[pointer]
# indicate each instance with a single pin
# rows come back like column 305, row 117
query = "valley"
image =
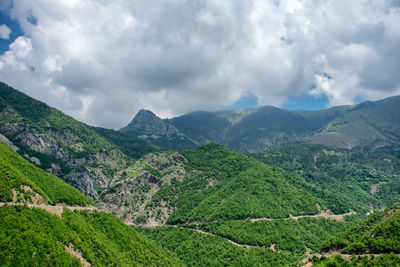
column 241, row 188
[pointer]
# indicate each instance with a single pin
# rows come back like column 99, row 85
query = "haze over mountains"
column 367, row 126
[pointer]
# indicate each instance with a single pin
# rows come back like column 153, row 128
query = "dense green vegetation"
column 380, row 233
column 33, row 237
column 374, row 242
column 359, row 178
column 287, row 235
column 129, row 144
column 197, row 249
column 16, row 171
column 225, row 185
column 383, row 260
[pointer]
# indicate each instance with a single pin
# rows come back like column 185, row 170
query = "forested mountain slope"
column 59, row 144
column 211, row 183
column 360, row 178
column 22, row 182
column 374, row 242
column 31, row 236
column 245, row 243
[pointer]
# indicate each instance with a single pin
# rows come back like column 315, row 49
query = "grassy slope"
column 44, row 118
column 34, row 237
column 16, row 171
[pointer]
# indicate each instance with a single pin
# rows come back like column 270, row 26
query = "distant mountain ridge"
column 367, row 126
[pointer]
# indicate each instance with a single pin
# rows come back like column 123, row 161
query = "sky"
column 101, row 61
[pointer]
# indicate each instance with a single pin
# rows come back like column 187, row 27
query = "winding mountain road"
column 57, row 209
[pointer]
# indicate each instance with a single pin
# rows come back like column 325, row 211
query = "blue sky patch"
column 245, row 102
column 15, row 31
column 306, row 102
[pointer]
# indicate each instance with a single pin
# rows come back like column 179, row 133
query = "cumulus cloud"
column 4, row 32
column 102, row 61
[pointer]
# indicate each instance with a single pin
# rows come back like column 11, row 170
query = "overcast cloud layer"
column 101, row 61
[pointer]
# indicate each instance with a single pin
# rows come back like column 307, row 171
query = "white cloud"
column 16, row 57
column 4, row 32
column 101, row 61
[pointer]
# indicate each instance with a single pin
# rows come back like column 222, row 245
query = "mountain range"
column 203, row 203
column 366, row 126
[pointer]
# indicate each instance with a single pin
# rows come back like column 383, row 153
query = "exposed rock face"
column 41, row 143
column 33, row 159
column 8, row 142
column 57, row 143
column 84, row 182
column 131, row 193
column 55, row 169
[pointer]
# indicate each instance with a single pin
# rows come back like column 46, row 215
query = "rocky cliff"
column 59, row 144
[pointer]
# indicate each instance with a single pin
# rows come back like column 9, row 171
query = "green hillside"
column 33, row 237
column 379, row 236
column 62, row 146
column 242, row 187
column 15, row 172
column 246, row 243
column 270, row 126
column 197, row 249
column 285, row 235
column 363, row 180
column 380, row 233
column 211, row 183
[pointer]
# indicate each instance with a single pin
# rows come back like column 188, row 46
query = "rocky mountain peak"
column 147, row 123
